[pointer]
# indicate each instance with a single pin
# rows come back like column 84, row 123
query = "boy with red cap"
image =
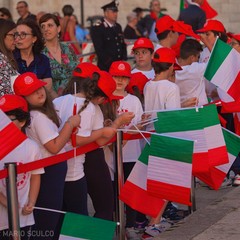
column 143, row 51
column 16, row 108
column 159, row 94
column 235, row 41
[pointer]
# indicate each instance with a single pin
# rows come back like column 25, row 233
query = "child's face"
column 37, row 98
column 143, row 58
column 121, row 82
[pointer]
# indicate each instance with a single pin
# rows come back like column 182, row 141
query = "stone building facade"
column 228, row 10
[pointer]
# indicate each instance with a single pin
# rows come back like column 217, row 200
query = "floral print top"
column 6, row 71
column 62, row 72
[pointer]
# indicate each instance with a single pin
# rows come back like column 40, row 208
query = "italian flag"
column 170, row 169
column 134, row 191
column 201, row 125
column 10, row 135
column 77, row 226
column 217, row 174
column 223, row 69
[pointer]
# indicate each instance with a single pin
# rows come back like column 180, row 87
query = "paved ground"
column 217, row 217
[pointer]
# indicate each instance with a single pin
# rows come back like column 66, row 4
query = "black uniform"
column 109, row 44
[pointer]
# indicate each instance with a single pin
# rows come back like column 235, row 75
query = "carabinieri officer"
column 108, row 39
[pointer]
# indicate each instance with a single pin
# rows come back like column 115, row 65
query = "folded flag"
column 217, row 174
column 134, row 191
column 77, row 226
column 170, row 169
column 223, row 69
column 10, row 135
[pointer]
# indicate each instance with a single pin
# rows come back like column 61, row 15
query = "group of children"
column 93, row 106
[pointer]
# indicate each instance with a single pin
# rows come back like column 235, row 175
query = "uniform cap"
column 143, row 43
column 120, row 68
column 107, row 84
column 27, row 83
column 212, row 25
column 85, row 70
column 110, row 6
column 137, row 79
column 166, row 55
column 163, row 24
column 10, row 102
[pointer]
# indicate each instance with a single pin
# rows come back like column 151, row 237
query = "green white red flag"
column 134, row 191
column 201, row 125
column 170, row 169
column 77, row 227
column 223, row 70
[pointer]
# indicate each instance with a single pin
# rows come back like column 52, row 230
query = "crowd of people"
column 61, row 104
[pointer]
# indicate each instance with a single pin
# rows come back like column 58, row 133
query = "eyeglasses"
column 21, row 35
column 19, row 7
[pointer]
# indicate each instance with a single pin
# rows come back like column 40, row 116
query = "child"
column 160, row 94
column 143, row 51
column 190, row 80
column 99, row 88
column 44, row 130
column 28, row 184
column 121, row 72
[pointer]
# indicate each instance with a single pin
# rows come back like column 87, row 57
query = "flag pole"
column 193, row 196
column 120, row 181
column 12, row 201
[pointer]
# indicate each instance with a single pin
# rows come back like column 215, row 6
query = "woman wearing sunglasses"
column 7, row 62
column 29, row 44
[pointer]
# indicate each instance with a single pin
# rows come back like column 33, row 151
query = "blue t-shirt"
column 40, row 65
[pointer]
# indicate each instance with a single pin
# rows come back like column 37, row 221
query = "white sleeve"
column 173, row 98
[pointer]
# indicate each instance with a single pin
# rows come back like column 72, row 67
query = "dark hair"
column 48, row 16
column 24, row 2
column 6, row 26
column 67, row 10
column 162, row 35
column 222, row 35
column 137, row 93
column 20, row 116
column 39, row 44
column 47, row 109
column 190, row 47
column 6, row 12
column 160, row 67
column 109, row 109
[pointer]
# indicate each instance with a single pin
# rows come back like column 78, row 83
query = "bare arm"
column 71, row 30
column 56, row 144
column 3, row 200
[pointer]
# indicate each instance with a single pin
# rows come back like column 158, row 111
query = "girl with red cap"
column 91, row 89
column 44, row 130
column 28, row 184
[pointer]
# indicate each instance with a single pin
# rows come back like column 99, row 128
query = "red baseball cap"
column 143, row 43
column 10, row 102
column 27, row 83
column 108, row 85
column 164, row 23
column 212, row 25
column 137, row 79
column 120, row 68
column 235, row 36
column 181, row 27
column 166, row 55
column 85, row 70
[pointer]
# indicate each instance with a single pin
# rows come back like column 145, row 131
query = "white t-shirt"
column 149, row 74
column 27, row 151
column 64, row 107
column 191, row 83
column 160, row 95
column 132, row 149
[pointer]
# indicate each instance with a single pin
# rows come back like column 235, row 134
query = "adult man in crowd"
column 193, row 15
column 23, row 11
column 108, row 38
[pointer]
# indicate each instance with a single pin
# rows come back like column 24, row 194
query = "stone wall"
column 228, row 10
